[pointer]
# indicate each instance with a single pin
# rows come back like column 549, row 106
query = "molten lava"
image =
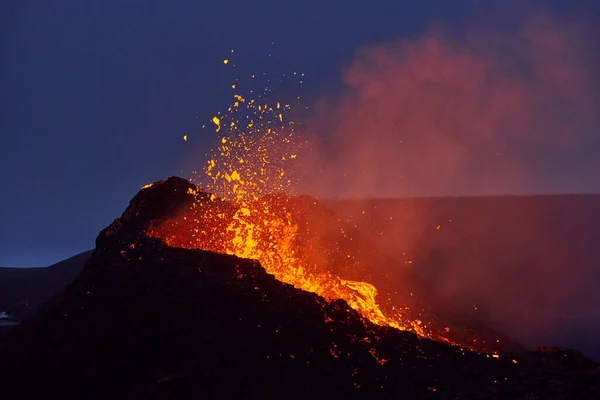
column 272, row 231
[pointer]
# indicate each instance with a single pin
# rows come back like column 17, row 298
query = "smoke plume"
column 481, row 109
column 475, row 110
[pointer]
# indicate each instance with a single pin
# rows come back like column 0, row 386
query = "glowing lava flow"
column 268, row 230
column 251, row 164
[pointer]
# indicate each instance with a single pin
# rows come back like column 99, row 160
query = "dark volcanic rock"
column 159, row 201
column 145, row 320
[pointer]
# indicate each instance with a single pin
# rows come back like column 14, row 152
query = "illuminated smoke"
column 475, row 112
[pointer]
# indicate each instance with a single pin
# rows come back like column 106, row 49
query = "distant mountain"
column 145, row 320
column 23, row 290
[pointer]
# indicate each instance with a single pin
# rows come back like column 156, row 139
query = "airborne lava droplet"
column 217, row 122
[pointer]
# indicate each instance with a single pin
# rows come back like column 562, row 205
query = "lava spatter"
column 254, row 217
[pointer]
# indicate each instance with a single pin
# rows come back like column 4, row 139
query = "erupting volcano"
column 149, row 320
column 239, row 288
column 296, row 239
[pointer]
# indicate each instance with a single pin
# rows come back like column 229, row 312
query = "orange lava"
column 268, row 230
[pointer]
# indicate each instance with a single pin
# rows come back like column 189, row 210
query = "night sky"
column 96, row 97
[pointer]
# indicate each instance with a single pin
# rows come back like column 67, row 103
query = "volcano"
column 190, row 295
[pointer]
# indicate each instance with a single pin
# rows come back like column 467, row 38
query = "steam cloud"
column 475, row 112
column 478, row 111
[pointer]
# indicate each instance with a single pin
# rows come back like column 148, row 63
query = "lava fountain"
column 247, row 210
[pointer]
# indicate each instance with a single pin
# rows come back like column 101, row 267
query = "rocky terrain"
column 147, row 320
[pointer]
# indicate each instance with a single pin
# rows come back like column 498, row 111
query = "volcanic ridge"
column 165, row 308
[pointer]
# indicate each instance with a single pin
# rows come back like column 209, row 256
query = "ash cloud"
column 482, row 109
column 475, row 110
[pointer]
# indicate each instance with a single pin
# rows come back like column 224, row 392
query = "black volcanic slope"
column 145, row 320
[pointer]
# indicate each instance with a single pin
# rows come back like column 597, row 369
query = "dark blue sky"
column 97, row 95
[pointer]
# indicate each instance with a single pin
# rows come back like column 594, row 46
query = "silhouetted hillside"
column 146, row 320
column 529, row 265
column 23, row 290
